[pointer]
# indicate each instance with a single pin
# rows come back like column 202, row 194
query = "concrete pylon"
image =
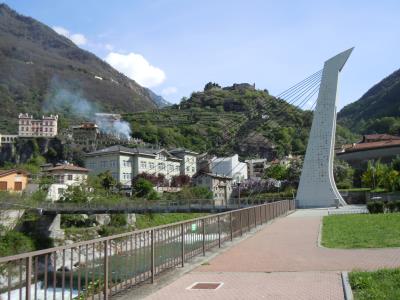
column 317, row 186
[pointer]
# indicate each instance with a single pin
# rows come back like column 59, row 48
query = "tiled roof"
column 8, row 172
column 380, row 137
column 372, row 145
column 67, row 168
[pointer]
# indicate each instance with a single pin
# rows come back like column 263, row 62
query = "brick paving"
column 281, row 261
column 291, row 244
column 254, row 285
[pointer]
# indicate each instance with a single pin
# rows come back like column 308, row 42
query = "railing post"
column 261, row 214
column 241, row 224
column 105, row 290
column 204, row 237
column 182, row 245
column 152, row 257
column 28, row 278
column 248, row 219
column 255, row 217
column 231, row 225
column 219, row 232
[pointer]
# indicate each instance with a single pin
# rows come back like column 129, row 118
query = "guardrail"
column 102, row 267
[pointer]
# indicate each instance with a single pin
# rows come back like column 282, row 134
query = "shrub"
column 375, row 207
column 391, row 206
column 142, row 187
column 397, row 203
column 118, row 220
column 14, row 242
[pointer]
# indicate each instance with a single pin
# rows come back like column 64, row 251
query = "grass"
column 361, row 231
column 152, row 220
column 381, row 284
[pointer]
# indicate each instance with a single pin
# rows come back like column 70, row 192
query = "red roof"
column 11, row 171
column 67, row 168
column 372, row 145
column 378, row 137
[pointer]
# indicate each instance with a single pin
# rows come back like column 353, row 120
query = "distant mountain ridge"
column 381, row 103
column 32, row 56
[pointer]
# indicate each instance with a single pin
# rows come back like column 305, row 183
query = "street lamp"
column 238, row 185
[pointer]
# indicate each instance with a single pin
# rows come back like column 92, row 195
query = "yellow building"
column 13, row 180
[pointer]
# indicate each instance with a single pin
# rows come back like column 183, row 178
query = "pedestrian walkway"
column 281, row 261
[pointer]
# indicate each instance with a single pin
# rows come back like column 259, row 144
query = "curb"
column 348, row 293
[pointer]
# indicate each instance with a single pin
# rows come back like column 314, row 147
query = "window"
column 193, row 169
column 187, row 169
column 177, row 168
column 170, row 168
column 161, row 166
column 70, row 177
column 151, row 166
column 143, row 165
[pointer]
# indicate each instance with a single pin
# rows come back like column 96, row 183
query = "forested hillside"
column 237, row 119
column 377, row 111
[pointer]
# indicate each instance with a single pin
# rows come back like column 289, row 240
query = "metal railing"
column 100, row 268
column 136, row 206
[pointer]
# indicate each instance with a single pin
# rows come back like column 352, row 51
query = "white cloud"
column 169, row 90
column 77, row 38
column 109, row 47
column 136, row 67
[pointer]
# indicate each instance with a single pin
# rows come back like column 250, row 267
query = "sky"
column 175, row 47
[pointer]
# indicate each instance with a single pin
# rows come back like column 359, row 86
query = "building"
column 7, row 138
column 256, row 167
column 125, row 163
column 64, row 176
column 85, row 133
column 219, row 185
column 384, row 147
column 230, row 167
column 189, row 161
column 30, row 127
column 13, row 180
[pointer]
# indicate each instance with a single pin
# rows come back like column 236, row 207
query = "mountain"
column 158, row 100
column 377, row 111
column 36, row 63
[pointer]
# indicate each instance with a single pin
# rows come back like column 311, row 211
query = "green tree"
column 277, row 171
column 142, row 187
column 343, row 174
column 106, row 180
column 76, row 194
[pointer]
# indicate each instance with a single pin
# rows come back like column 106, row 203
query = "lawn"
column 361, row 231
column 382, row 284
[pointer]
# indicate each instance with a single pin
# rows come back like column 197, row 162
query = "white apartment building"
column 64, row 175
column 189, row 161
column 231, row 167
column 125, row 163
column 30, row 127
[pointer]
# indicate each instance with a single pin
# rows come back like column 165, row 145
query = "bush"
column 391, row 206
column 142, row 187
column 118, row 220
column 397, row 205
column 14, row 242
column 375, row 207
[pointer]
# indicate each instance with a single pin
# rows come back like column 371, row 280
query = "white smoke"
column 73, row 104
